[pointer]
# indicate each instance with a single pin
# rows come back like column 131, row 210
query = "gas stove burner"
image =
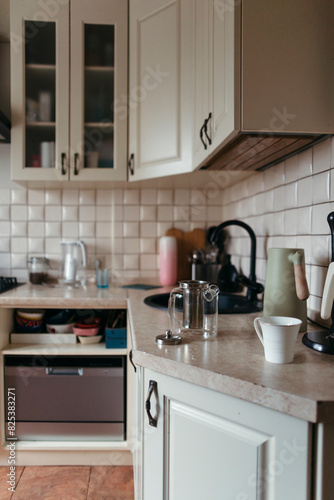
column 8, row 284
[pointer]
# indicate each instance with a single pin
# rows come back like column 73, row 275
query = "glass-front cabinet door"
column 99, row 80
column 65, row 89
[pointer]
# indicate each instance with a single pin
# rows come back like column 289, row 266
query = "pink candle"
column 168, row 260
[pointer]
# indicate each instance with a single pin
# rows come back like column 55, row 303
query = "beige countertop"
column 232, row 362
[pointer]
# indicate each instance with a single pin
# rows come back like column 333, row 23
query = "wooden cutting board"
column 186, row 243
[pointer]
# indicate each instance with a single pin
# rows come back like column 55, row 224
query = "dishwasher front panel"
column 82, row 398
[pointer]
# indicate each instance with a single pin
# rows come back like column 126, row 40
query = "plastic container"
column 168, row 260
column 38, row 269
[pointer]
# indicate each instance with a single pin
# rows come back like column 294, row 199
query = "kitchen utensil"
column 74, row 260
column 168, row 260
column 278, row 335
column 286, row 288
column 193, row 308
column 323, row 340
column 186, row 242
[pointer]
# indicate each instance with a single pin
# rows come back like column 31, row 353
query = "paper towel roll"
column 45, row 154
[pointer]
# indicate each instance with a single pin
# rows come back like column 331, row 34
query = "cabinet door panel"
column 160, row 135
column 39, row 90
column 212, row 454
column 98, row 84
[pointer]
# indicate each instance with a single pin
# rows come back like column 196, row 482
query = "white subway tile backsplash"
column 278, row 199
column 103, row 246
column 305, row 163
column 5, row 245
column 131, row 197
column 87, row 213
column 36, row 197
column 52, row 229
column 117, row 245
column 164, row 197
column 53, row 213
column 87, row 197
column 130, row 229
column 70, row 197
column 4, row 213
column 86, row 230
column 146, row 262
column 131, row 213
column 17, row 229
column 117, row 196
column 291, row 222
column 104, row 213
column 290, row 195
column 291, row 170
column 19, row 260
column 130, row 245
column 36, row 229
column 5, row 197
column 162, row 228
column 53, row 197
column 181, row 196
column 117, row 228
column 304, row 217
column 105, row 197
column 148, row 213
column 147, row 245
column 5, row 264
column 322, row 156
column 319, row 219
column 198, row 213
column 320, row 252
column 148, row 197
column 36, row 245
column 70, row 230
column 148, row 229
column 180, row 213
column 19, row 197
column 197, row 197
column 19, row 212
column 36, row 212
column 165, row 213
column 103, row 229
column 321, row 186
column 52, row 246
column 130, row 262
column 317, row 280
column 304, row 192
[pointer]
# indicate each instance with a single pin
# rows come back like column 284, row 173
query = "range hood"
column 4, row 129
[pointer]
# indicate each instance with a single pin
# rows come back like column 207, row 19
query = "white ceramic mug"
column 278, row 335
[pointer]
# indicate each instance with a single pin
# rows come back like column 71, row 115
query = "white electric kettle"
column 73, row 261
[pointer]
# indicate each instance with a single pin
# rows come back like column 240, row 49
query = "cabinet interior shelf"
column 41, row 124
column 100, row 68
column 99, row 124
column 41, row 67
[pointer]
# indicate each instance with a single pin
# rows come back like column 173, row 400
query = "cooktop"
column 8, row 283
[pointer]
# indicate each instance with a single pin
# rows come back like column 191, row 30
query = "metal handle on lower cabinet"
column 151, row 388
column 76, row 158
column 206, row 128
column 131, row 164
column 63, row 371
column 201, row 136
column 63, row 169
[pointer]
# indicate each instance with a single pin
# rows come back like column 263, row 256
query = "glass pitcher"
column 193, row 308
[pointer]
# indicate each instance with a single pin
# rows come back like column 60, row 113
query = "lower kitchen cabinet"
column 207, row 445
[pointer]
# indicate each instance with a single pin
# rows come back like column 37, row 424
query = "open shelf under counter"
column 62, row 349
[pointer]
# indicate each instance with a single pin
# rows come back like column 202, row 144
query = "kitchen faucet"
column 253, row 287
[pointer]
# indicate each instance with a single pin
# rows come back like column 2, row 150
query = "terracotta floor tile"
column 53, row 483
column 111, row 483
column 4, row 470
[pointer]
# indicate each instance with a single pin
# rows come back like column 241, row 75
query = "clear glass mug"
column 193, row 308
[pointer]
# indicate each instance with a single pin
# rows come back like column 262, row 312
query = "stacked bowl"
column 29, row 320
column 60, row 322
column 87, row 330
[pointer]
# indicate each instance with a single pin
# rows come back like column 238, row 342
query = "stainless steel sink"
column 227, row 303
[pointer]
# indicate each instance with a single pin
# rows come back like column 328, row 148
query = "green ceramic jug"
column 286, row 287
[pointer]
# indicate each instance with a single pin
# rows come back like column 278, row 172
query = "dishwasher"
column 74, row 398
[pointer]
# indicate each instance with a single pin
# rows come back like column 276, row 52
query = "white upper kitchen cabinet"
column 160, row 88
column 216, row 109
column 68, row 69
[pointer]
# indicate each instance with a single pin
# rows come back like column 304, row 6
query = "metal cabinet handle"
column 63, row 371
column 76, row 158
column 206, row 128
column 201, row 136
column 131, row 164
column 63, row 161
column 151, row 388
